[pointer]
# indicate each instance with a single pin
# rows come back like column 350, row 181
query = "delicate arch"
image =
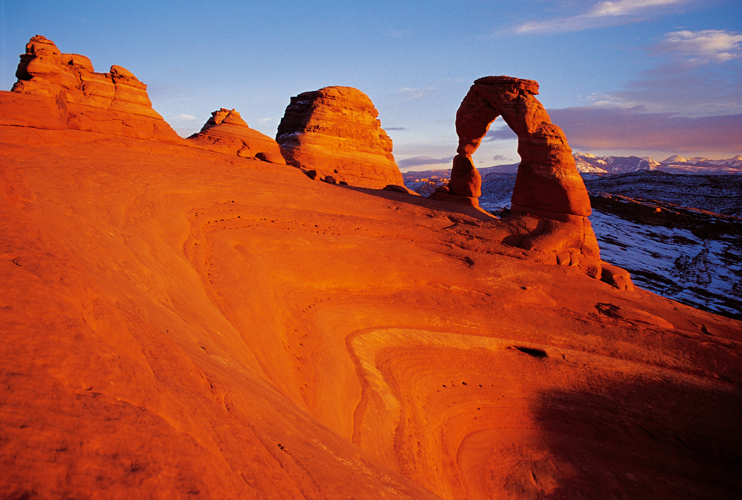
column 547, row 183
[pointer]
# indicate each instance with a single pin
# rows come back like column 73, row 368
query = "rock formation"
column 175, row 327
column 227, row 132
column 56, row 90
column 335, row 131
column 547, row 186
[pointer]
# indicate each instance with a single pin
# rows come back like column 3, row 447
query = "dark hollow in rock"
column 536, row 353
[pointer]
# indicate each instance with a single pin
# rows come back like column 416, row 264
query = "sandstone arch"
column 550, row 204
column 547, row 184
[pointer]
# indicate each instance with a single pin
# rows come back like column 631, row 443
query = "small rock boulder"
column 228, row 133
column 400, row 189
column 616, row 276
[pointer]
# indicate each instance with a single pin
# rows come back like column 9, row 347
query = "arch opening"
column 497, row 161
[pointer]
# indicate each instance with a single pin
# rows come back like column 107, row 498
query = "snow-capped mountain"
column 731, row 162
column 676, row 164
column 675, row 159
column 591, row 164
column 588, row 163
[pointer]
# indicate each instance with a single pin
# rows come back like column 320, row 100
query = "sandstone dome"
column 335, row 132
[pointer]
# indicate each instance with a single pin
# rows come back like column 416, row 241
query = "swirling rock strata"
column 335, row 131
column 56, row 90
column 227, row 132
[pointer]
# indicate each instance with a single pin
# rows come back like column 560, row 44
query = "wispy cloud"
column 425, row 161
column 600, row 15
column 500, row 133
column 698, row 47
column 700, row 75
column 609, row 101
column 185, row 117
column 501, row 158
column 266, row 120
column 628, row 7
column 395, row 128
column 408, row 93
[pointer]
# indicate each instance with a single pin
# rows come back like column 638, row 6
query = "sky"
column 626, row 77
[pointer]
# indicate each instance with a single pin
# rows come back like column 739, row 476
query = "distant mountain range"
column 676, row 164
column 587, row 163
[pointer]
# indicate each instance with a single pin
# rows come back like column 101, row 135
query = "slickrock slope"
column 57, row 91
column 548, row 185
column 335, row 132
column 227, row 132
column 178, row 323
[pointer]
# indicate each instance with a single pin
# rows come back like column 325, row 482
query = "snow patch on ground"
column 674, row 263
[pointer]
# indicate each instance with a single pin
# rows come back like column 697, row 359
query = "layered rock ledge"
column 335, row 132
column 56, row 91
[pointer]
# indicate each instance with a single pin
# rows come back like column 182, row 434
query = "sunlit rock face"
column 182, row 327
column 227, row 132
column 548, row 182
column 57, row 90
column 548, row 185
column 335, row 132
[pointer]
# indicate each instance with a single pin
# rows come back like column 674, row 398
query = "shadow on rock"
column 637, row 438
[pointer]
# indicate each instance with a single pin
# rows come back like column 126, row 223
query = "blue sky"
column 644, row 77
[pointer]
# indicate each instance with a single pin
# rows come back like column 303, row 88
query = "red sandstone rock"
column 113, row 103
column 170, row 331
column 547, row 176
column 400, row 189
column 29, row 110
column 467, row 181
column 41, row 71
column 176, row 327
column 335, row 131
column 547, row 185
column 227, row 132
column 616, row 276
